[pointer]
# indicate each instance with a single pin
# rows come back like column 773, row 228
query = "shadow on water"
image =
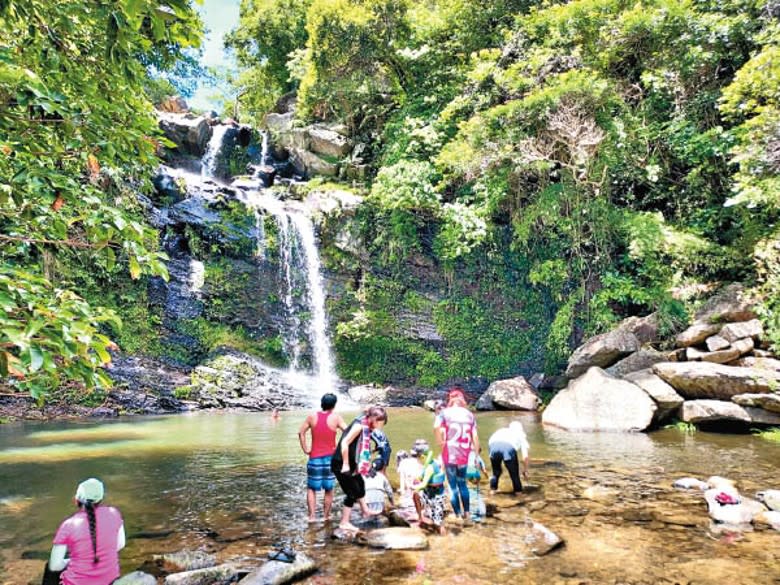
column 234, row 484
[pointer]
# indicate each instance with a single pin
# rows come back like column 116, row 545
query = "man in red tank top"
column 323, row 426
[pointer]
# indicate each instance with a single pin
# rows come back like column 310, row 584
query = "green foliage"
column 50, row 334
column 683, row 427
column 772, row 434
column 76, row 140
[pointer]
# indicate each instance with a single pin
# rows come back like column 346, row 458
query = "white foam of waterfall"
column 264, row 149
column 208, row 163
column 300, row 274
column 318, row 323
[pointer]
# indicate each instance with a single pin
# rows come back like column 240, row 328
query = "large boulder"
column 704, row 411
column 235, row 380
column 279, row 122
column 174, row 104
column 716, row 381
column 663, row 394
column 730, row 304
column 761, row 363
column 602, row 351
column 309, row 164
column 697, row 333
column 747, row 329
column 190, row 133
column 328, row 143
column 641, row 360
column 278, row 572
column 512, row 394
column 599, row 402
column 770, row 402
column 369, row 394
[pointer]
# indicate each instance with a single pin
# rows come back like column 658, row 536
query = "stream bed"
column 233, row 484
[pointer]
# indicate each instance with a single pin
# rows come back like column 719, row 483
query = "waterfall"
column 302, row 295
column 322, row 357
column 264, row 149
column 208, row 164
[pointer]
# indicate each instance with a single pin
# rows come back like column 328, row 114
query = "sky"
column 220, row 16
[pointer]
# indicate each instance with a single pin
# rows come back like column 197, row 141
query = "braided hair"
column 89, row 508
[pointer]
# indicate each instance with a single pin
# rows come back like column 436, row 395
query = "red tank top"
column 323, row 438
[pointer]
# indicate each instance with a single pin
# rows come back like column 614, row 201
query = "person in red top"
column 322, row 426
column 92, row 539
column 456, row 430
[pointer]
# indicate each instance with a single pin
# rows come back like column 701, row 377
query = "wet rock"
column 397, row 519
column 145, row 385
column 233, row 379
column 190, row 133
column 668, row 517
column 771, row 498
column 186, row 560
column 699, row 411
column 181, row 295
column 599, row 402
column 598, row 493
column 394, row 539
column 736, row 515
column 278, row 573
column 168, row 189
column 369, row 394
column 690, row 483
column 207, row 576
column 697, row 333
column 512, row 394
column 706, row 380
column 663, row 394
column 770, row 402
column 540, row 539
column 640, row 360
column 136, row 578
column 736, row 331
column 602, row 351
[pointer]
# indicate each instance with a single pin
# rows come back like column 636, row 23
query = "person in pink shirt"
column 91, row 538
column 456, row 430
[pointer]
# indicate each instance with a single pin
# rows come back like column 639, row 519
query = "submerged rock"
column 540, row 539
column 394, row 538
column 136, row 578
column 690, row 483
column 207, row 576
column 186, row 560
column 278, row 572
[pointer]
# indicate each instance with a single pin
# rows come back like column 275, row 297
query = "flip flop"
column 282, row 554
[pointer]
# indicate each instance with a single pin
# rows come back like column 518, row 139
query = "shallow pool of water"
column 234, row 484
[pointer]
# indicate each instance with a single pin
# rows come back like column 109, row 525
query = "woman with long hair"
column 91, row 538
column 352, row 461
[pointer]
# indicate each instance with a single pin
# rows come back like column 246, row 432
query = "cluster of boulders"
column 198, row 568
column 720, row 371
column 731, row 510
column 319, row 149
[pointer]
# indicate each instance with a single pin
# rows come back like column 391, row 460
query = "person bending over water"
column 352, row 461
column 322, row 426
column 456, row 430
column 91, row 538
column 503, row 446
column 429, row 495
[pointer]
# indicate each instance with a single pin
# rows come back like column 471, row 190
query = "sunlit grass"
column 683, row 427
